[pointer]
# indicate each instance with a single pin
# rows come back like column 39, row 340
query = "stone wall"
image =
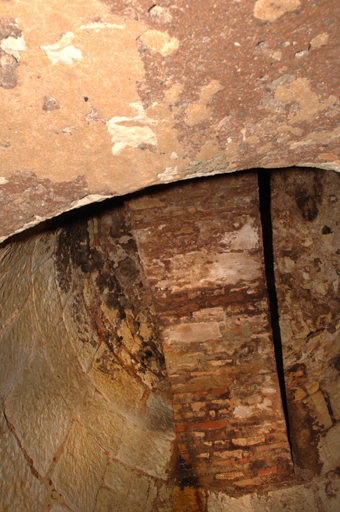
column 87, row 422
column 88, row 323
column 306, row 231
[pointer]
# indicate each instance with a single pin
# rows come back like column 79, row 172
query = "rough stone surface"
column 98, row 416
column 149, row 452
column 109, row 97
column 20, row 490
column 306, row 249
column 17, row 344
column 80, row 470
column 128, row 490
column 38, row 413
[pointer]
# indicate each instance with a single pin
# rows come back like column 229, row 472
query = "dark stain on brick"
column 309, row 199
column 99, row 248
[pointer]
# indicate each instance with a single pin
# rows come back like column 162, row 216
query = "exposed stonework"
column 124, row 94
column 307, row 247
column 83, row 381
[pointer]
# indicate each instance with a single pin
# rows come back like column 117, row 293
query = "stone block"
column 17, row 343
column 128, row 490
column 83, row 338
column 69, row 376
column 19, row 489
column 15, row 287
column 79, row 472
column 10, row 254
column 46, row 299
column 114, row 382
column 43, row 249
column 38, row 413
column 98, row 417
column 159, row 416
column 149, row 453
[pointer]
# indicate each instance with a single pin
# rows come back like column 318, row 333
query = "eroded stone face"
column 306, row 249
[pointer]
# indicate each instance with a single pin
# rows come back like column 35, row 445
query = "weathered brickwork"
column 201, row 247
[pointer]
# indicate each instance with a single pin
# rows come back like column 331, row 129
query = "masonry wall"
column 201, row 246
column 306, row 232
column 87, row 421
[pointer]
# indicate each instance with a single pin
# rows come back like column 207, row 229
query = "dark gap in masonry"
column 267, row 233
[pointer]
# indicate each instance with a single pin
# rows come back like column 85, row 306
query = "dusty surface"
column 119, row 95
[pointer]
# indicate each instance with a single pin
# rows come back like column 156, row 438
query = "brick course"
column 200, row 245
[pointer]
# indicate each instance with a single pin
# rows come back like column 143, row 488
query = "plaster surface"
column 100, row 99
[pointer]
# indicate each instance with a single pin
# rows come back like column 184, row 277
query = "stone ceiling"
column 100, row 99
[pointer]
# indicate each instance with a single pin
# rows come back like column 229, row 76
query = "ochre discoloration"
column 270, row 10
column 199, row 112
column 160, row 42
column 308, row 101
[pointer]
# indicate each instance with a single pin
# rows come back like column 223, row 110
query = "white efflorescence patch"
column 100, row 25
column 63, row 51
column 168, row 175
column 133, row 136
column 13, row 46
column 270, row 10
column 160, row 42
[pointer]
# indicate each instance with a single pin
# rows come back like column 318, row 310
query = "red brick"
column 210, row 425
column 218, row 391
column 230, row 462
column 244, row 461
column 267, row 471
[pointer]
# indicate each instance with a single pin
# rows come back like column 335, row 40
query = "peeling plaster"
column 100, row 25
column 299, row 91
column 323, row 137
column 63, row 51
column 270, row 10
column 123, row 136
column 160, row 42
column 168, row 175
column 320, row 40
column 13, row 46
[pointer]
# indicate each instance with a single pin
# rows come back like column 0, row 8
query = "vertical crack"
column 267, row 234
